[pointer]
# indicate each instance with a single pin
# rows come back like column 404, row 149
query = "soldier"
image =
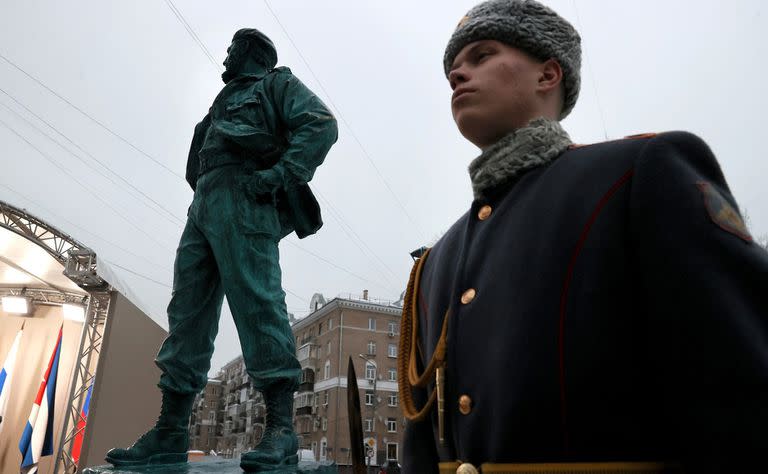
column 599, row 308
column 249, row 163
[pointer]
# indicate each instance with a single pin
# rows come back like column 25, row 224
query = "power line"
column 194, row 36
column 296, row 295
column 105, row 240
column 191, row 31
column 126, row 182
column 133, row 272
column 335, row 265
column 51, row 160
column 99, row 198
column 110, row 262
column 208, row 54
column 341, row 118
column 592, row 77
column 100, row 124
column 85, row 114
column 336, row 214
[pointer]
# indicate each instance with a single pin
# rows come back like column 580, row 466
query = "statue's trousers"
column 229, row 247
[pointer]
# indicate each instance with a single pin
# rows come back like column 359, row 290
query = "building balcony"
column 307, row 410
column 306, row 354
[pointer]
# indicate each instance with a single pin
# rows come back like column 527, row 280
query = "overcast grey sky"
column 397, row 177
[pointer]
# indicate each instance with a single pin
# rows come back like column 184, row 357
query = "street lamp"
column 375, row 401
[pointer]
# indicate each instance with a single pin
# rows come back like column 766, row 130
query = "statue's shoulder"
column 281, row 70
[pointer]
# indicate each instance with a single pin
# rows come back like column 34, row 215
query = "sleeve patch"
column 722, row 213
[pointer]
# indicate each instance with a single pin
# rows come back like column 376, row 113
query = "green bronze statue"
column 249, row 163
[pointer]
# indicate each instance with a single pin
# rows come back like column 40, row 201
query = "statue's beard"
column 234, row 66
column 228, row 75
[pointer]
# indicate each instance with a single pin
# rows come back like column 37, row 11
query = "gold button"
column 466, row 468
column 465, row 404
column 484, row 212
column 468, row 296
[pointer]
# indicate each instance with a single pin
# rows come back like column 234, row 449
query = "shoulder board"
column 640, row 135
column 282, row 69
column 574, row 146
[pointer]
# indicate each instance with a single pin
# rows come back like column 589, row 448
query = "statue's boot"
column 277, row 451
column 167, row 442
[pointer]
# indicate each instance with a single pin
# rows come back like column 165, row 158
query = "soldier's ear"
column 550, row 75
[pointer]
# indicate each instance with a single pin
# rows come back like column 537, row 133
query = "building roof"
column 342, row 303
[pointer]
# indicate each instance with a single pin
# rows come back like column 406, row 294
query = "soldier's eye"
column 483, row 54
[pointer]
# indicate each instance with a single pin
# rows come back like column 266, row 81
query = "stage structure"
column 67, row 277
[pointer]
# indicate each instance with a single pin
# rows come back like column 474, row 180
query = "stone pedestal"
column 210, row 465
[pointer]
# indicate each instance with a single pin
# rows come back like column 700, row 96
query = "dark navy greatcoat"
column 620, row 314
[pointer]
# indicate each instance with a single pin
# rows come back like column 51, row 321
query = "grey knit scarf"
column 536, row 144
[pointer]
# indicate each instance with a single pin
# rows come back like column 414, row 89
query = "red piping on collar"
column 564, row 295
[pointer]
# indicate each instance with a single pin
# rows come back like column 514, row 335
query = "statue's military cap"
column 261, row 45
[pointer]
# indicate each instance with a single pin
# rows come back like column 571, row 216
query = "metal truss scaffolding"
column 85, row 373
column 80, row 266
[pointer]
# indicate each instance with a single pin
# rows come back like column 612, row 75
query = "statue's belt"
column 561, row 468
column 207, row 164
column 241, row 158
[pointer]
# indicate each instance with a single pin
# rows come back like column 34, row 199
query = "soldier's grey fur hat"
column 529, row 26
column 264, row 47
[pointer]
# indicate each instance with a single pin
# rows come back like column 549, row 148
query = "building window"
column 371, row 324
column 212, row 416
column 303, row 352
column 325, row 398
column 323, row 449
column 393, row 400
column 391, row 425
column 368, row 425
column 330, row 324
column 393, row 375
column 329, row 348
column 371, row 348
column 392, row 350
column 392, row 451
column 307, row 376
column 370, row 371
column 392, row 327
column 327, row 370
column 320, row 329
column 325, row 424
column 305, row 400
column 369, row 398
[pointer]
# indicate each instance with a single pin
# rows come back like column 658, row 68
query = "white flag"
column 6, row 376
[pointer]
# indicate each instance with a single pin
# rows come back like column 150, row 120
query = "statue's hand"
column 264, row 184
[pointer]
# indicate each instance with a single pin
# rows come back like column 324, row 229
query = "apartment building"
column 229, row 415
column 366, row 331
column 206, row 419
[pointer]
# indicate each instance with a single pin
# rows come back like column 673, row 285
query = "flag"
column 37, row 438
column 78, row 444
column 6, row 376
